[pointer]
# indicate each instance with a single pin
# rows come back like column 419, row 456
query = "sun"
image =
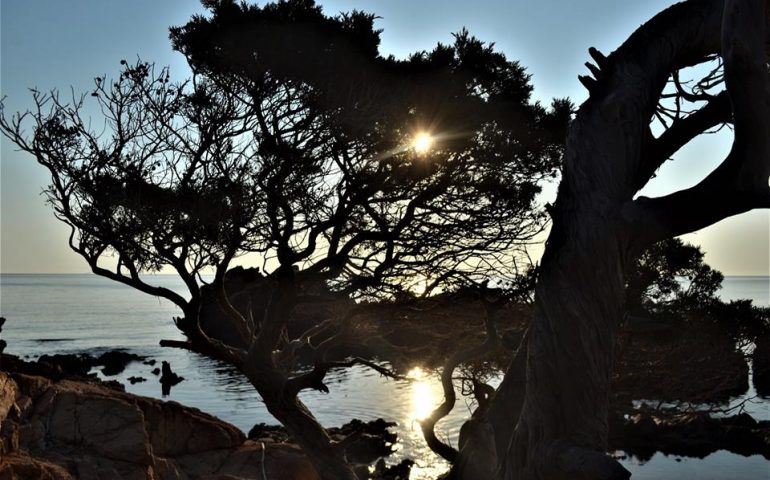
column 422, row 143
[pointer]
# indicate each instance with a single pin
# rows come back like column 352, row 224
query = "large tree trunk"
column 327, row 458
column 271, row 382
column 560, row 428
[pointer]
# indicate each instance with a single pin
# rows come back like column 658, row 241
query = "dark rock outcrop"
column 115, row 361
column 67, row 429
column 365, row 442
column 371, row 440
column 112, row 362
column 692, row 435
column 69, row 364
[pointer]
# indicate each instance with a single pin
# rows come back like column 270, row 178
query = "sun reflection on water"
column 425, row 394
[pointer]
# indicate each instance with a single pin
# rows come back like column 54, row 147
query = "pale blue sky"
column 57, row 44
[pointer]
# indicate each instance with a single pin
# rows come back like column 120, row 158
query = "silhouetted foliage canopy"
column 671, row 273
column 671, row 281
column 292, row 141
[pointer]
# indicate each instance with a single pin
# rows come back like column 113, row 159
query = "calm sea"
column 86, row 313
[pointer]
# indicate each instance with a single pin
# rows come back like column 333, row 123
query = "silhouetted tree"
column 670, row 280
column 549, row 416
column 670, row 274
column 292, row 143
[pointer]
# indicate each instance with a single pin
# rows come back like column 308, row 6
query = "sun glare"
column 424, row 394
column 422, row 143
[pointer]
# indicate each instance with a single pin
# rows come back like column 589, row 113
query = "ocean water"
column 87, row 313
column 755, row 288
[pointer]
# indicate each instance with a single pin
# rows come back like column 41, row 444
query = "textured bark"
column 509, row 398
column 598, row 227
column 272, row 384
column 328, row 460
column 579, row 302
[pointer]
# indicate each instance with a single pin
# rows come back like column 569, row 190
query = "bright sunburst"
column 422, row 143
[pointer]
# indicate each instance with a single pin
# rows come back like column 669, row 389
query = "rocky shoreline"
column 59, row 421
column 60, row 428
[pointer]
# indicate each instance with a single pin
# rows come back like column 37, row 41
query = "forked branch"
column 740, row 182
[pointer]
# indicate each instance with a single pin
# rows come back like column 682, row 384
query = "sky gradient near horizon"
column 57, row 44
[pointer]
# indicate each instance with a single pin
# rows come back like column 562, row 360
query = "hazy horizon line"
column 174, row 274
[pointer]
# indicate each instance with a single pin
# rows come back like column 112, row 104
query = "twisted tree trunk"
column 562, row 427
column 327, row 458
column 272, row 383
column 559, row 430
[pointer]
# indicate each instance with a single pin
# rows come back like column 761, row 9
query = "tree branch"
column 740, row 183
column 428, row 424
column 655, row 151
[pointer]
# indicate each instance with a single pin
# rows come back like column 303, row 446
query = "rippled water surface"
column 86, row 313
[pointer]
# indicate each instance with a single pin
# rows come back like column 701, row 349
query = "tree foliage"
column 292, row 142
column 670, row 275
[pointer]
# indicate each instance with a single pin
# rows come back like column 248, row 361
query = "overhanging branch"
column 657, row 150
column 740, row 183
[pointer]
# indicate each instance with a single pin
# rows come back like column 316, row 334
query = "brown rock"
column 84, row 415
column 23, row 467
column 177, row 430
column 7, row 395
column 32, row 434
column 71, row 429
column 100, row 468
column 165, row 469
column 282, row 461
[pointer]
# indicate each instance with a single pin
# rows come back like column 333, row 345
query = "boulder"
column 177, row 430
column 17, row 466
column 115, row 361
column 70, row 429
column 246, row 462
column 83, row 416
column 7, row 395
column 365, row 442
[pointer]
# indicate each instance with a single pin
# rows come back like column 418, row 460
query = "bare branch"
column 657, row 150
column 429, row 423
column 740, row 183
